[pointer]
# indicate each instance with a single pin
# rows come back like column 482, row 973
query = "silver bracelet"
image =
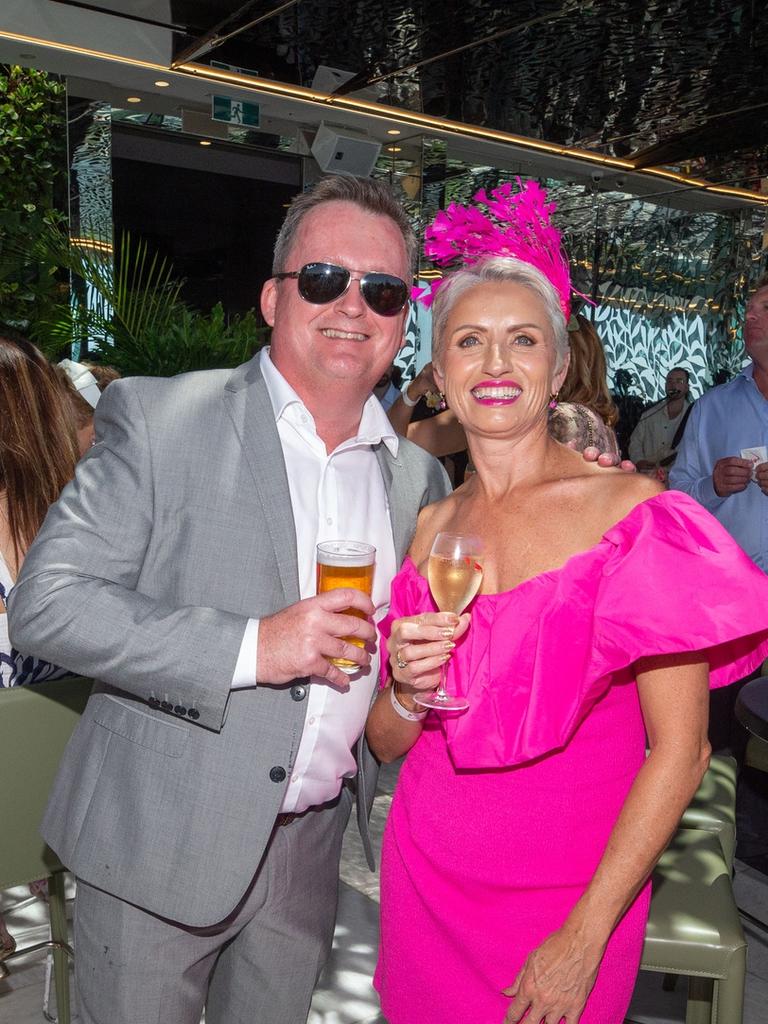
column 409, row 716
column 404, row 392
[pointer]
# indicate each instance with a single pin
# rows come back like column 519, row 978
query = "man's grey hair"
column 498, row 268
column 369, row 194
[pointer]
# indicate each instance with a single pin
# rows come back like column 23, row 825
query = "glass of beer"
column 346, row 563
column 455, row 572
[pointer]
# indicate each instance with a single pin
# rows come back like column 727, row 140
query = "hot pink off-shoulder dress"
column 502, row 812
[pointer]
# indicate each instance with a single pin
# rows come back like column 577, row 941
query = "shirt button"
column 312, row 720
column 329, row 521
column 294, row 778
column 277, row 774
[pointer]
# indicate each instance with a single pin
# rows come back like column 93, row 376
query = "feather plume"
column 518, row 226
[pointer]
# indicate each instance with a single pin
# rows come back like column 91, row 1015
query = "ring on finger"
column 401, row 662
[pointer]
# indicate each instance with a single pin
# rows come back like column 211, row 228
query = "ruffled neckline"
column 608, row 542
column 665, row 579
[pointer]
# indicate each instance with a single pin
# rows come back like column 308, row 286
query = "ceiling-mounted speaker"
column 344, row 154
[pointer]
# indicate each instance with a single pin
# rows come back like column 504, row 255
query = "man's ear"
column 269, row 301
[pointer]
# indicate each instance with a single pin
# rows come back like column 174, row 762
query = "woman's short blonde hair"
column 498, row 268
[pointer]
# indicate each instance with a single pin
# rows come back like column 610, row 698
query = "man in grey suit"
column 202, row 799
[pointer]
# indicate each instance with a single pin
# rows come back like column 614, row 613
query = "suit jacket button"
column 277, row 774
column 179, row 710
column 166, row 706
column 298, row 692
column 194, row 714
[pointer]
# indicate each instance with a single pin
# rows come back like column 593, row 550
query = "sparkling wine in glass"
column 455, row 573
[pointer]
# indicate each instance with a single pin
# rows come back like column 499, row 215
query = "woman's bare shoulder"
column 621, row 492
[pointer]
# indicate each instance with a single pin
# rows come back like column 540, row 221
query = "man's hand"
column 300, row 640
column 731, row 475
column 761, row 477
column 606, row 459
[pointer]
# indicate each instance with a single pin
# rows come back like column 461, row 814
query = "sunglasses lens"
column 322, row 282
column 384, row 293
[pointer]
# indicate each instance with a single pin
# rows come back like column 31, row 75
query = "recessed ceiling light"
column 394, row 149
column 133, row 99
column 393, row 131
column 205, row 142
column 162, row 85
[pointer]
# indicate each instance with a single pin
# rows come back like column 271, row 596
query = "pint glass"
column 346, row 563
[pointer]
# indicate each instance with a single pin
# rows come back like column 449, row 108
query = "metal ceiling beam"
column 216, row 36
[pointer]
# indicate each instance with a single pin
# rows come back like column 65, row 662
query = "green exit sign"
column 232, row 111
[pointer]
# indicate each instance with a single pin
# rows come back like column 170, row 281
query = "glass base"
column 441, row 701
column 350, row 668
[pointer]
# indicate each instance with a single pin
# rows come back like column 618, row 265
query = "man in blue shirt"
column 710, row 467
column 724, row 422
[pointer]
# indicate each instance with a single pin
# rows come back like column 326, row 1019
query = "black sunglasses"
column 319, row 283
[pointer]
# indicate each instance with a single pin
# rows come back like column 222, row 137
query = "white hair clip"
column 83, row 380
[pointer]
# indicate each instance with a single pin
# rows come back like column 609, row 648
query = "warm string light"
column 92, row 243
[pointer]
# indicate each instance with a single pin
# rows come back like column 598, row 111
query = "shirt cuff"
column 245, row 669
column 706, row 495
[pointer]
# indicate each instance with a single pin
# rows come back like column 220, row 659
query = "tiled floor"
column 345, row 995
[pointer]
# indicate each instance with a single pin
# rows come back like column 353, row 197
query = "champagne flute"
column 455, row 573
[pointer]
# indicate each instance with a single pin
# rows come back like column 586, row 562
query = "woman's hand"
column 420, row 645
column 556, row 980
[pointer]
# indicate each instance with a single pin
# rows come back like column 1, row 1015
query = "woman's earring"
column 553, row 401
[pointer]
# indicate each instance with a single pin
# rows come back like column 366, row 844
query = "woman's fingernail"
column 446, row 634
column 448, row 645
column 444, row 658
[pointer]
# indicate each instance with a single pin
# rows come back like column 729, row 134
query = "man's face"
column 315, row 347
column 756, row 325
column 677, row 383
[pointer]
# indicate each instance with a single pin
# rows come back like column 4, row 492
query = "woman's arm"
column 399, row 413
column 439, row 435
column 423, row 643
column 558, row 976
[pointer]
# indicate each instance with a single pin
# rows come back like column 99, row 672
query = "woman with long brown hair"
column 38, row 453
column 586, row 414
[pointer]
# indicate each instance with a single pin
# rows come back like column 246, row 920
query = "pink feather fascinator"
column 517, row 226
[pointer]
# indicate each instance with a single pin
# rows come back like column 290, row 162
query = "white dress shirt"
column 340, row 496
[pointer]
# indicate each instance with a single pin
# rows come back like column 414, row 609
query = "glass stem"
column 440, row 693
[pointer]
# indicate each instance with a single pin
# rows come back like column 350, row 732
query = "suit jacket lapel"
column 402, row 508
column 248, row 404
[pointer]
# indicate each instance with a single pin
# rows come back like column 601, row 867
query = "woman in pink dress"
column 524, row 829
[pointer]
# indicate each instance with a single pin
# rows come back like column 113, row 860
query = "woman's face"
column 498, row 359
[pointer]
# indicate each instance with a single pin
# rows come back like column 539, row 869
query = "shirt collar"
column 374, row 427
column 748, row 371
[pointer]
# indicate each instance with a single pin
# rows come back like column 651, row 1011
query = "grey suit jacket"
column 176, row 529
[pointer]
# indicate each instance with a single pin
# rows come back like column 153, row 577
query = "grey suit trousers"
column 259, row 966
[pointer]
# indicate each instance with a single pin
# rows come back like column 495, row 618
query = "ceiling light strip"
column 436, row 124
column 384, row 113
